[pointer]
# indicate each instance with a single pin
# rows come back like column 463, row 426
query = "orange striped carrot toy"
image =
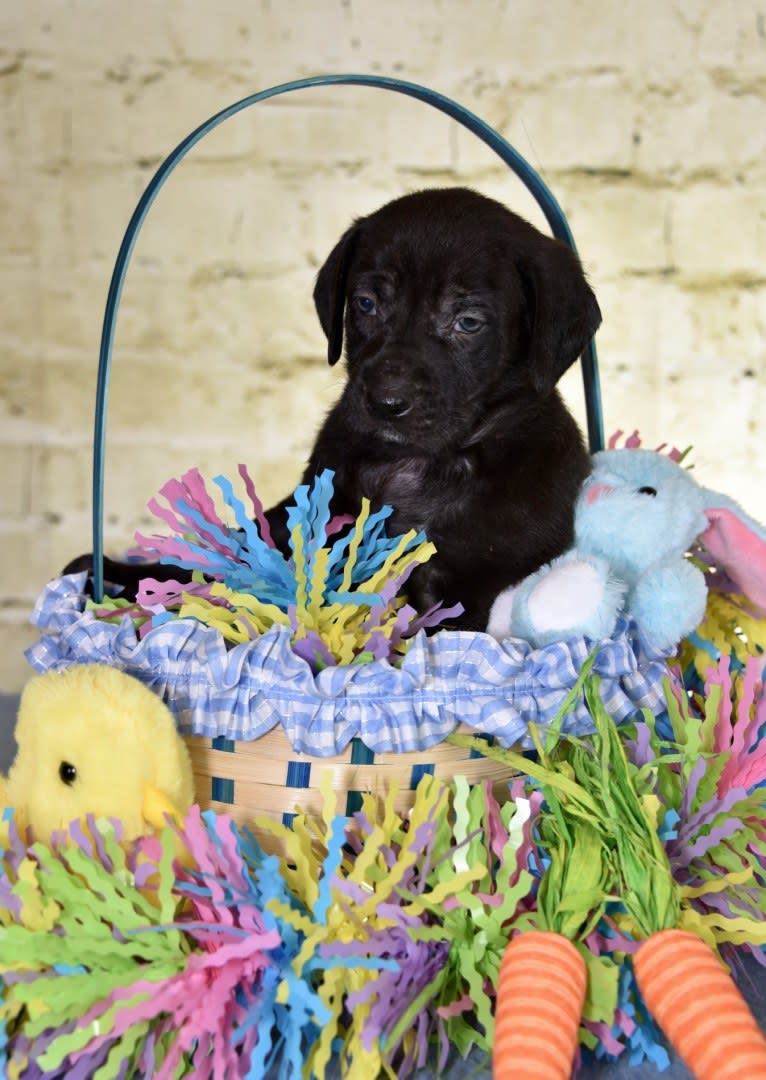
column 542, row 981
column 591, row 794
column 699, row 1008
column 683, row 983
column 543, row 976
column 540, row 996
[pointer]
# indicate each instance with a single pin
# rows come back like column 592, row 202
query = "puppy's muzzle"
column 387, row 407
column 389, row 391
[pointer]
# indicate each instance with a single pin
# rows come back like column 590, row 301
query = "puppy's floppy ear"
column 330, row 291
column 564, row 313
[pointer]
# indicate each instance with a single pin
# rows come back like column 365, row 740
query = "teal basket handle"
column 533, row 182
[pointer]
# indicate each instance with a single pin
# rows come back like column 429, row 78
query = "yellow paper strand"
column 353, row 548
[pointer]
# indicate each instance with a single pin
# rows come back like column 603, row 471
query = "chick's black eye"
column 647, row 491
column 468, row 324
column 67, row 773
column 365, row 304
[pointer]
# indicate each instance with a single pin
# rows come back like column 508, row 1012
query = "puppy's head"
column 453, row 307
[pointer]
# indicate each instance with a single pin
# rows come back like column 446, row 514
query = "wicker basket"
column 267, row 776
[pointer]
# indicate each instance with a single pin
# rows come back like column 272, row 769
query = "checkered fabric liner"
column 240, row 693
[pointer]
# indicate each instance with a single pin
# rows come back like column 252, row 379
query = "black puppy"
column 459, row 317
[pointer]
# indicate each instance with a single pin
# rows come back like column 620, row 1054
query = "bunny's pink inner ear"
column 739, row 551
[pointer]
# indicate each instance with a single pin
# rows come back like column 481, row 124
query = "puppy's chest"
column 419, row 489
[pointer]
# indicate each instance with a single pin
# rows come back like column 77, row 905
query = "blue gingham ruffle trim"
column 453, row 677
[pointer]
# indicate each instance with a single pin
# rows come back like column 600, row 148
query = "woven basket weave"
column 266, row 776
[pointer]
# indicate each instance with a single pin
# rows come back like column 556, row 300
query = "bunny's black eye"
column 67, row 773
column 647, row 491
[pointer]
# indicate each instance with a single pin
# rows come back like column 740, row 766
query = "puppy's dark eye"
column 468, row 324
column 67, row 773
column 365, row 304
column 647, row 491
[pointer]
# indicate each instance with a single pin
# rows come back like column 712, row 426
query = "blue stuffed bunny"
column 637, row 516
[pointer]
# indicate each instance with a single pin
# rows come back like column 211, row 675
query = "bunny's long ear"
column 738, row 544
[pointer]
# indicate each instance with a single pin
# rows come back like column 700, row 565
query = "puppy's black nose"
column 387, row 406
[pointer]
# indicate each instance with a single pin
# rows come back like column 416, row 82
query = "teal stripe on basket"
column 298, row 774
column 418, row 772
column 221, row 789
column 360, row 755
column 480, row 735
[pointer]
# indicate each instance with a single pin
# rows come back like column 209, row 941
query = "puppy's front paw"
column 126, row 577
column 79, row 565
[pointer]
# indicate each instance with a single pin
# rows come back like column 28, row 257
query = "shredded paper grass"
column 343, row 601
column 375, row 942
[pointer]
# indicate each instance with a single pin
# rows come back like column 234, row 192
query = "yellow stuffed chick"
column 93, row 740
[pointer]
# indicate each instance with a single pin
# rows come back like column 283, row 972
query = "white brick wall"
column 648, row 121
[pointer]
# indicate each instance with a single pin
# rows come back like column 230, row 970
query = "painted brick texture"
column 648, row 120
